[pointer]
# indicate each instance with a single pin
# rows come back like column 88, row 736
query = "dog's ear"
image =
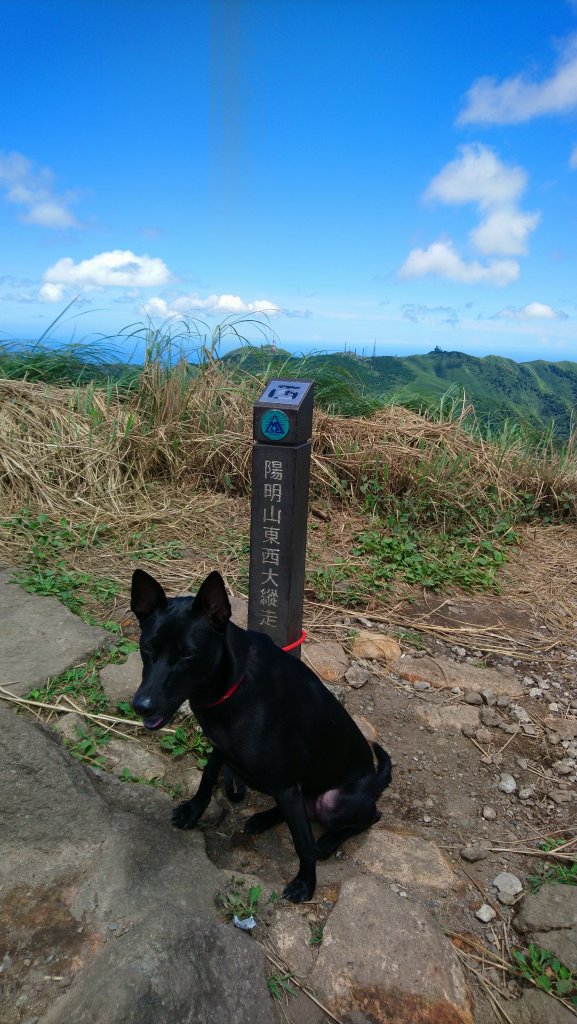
column 146, row 595
column 212, row 601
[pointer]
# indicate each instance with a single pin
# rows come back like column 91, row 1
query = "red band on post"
column 297, row 643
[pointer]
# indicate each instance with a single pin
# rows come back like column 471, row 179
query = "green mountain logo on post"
column 274, row 424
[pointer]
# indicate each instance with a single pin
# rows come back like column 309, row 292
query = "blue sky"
column 388, row 174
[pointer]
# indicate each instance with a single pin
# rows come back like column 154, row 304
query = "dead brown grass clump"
column 174, row 453
column 89, row 449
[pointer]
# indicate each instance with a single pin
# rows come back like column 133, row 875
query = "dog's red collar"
column 236, row 685
column 226, row 695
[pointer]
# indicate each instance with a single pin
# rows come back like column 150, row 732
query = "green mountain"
column 538, row 394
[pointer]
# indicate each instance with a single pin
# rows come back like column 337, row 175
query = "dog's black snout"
column 143, row 705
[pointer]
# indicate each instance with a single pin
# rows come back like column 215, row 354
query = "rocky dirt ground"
column 485, row 767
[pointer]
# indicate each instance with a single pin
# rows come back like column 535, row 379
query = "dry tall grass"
column 100, row 452
column 174, row 452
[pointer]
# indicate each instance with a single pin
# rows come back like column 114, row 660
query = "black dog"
column 269, row 718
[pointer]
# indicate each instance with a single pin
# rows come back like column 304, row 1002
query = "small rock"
column 503, row 701
column 489, row 813
column 468, row 730
column 564, row 767
column 554, row 707
column 472, row 697
column 507, row 783
column 490, row 718
column 483, row 736
column 473, row 853
column 489, row 697
column 375, row 646
column 327, row 659
column 535, row 692
column 422, row 686
column 529, row 729
column 485, row 913
column 559, row 796
column 518, row 714
column 526, row 793
column 566, row 728
column 523, row 763
column 506, row 899
column 356, row 676
column 507, row 884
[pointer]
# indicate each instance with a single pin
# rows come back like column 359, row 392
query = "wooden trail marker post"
column 281, row 457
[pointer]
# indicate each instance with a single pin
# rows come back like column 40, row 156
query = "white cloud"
column 504, row 232
column 31, row 188
column 118, row 269
column 51, row 293
column 214, row 305
column 573, row 158
column 532, row 311
column 477, row 176
column 441, row 259
column 519, row 99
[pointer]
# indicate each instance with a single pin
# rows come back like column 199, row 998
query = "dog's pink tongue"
column 152, row 723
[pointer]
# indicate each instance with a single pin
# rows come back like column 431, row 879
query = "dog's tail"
column 384, row 770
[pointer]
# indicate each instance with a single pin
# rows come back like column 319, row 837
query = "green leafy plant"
column 316, row 935
column 87, row 746
column 554, row 872
column 430, row 556
column 279, row 985
column 83, row 681
column 126, row 710
column 147, row 547
column 68, row 585
column 237, row 901
column 187, row 740
column 48, row 542
column 546, row 971
column 175, row 790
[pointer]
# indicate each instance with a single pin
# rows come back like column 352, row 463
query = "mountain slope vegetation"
column 537, row 394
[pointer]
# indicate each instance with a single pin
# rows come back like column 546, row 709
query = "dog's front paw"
column 186, row 814
column 299, row 891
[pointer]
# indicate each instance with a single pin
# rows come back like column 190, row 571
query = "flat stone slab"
column 40, row 638
column 384, row 960
column 442, row 672
column 449, row 717
column 405, row 859
column 120, row 682
column 109, row 913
